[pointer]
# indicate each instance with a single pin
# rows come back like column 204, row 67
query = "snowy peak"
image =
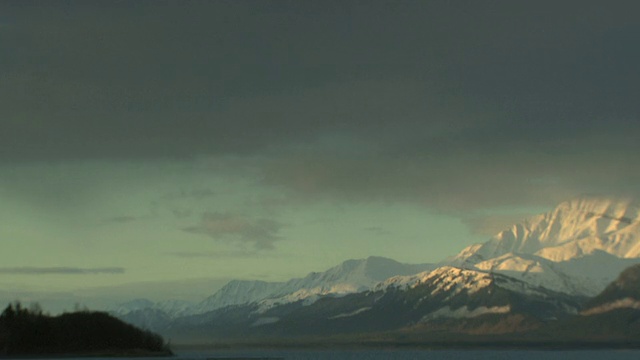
column 624, row 210
column 132, row 305
column 248, row 288
column 380, row 268
column 348, row 277
column 237, row 292
column 355, row 275
column 573, row 229
column 170, row 308
column 577, row 248
column 351, row 276
column 446, row 277
column 579, row 227
column 453, row 281
column 450, row 292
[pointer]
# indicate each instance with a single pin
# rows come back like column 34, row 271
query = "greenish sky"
column 156, row 141
column 175, row 220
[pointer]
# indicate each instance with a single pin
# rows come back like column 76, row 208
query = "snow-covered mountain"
column 237, row 292
column 348, row 277
column 169, row 308
column 579, row 247
column 463, row 293
column 351, row 276
column 428, row 298
column 151, row 315
column 131, row 305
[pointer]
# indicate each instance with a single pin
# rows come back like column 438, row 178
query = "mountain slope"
column 444, row 294
column 578, row 248
column 573, row 229
column 348, row 277
column 237, row 292
column 623, row 293
column 612, row 316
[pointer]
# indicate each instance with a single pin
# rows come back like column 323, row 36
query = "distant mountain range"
column 535, row 275
column 348, row 277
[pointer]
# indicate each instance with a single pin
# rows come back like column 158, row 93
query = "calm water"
column 407, row 355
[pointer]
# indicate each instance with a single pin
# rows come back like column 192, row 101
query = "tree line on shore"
column 30, row 331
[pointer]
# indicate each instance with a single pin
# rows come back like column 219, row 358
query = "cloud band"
column 30, row 270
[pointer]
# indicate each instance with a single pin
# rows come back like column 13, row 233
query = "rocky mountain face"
column 623, row 293
column 573, row 229
column 578, row 248
column 611, row 317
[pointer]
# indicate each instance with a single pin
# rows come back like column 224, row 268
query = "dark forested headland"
column 30, row 332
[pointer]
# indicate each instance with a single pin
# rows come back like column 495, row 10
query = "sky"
column 160, row 148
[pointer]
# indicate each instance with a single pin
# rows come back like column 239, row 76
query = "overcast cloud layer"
column 404, row 98
column 200, row 128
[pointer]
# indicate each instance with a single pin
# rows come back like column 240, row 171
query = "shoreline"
column 133, row 353
column 413, row 345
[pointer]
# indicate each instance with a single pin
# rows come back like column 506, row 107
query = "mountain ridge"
column 447, row 306
column 443, row 294
column 551, row 249
column 622, row 293
column 350, row 276
column 587, row 224
column 571, row 252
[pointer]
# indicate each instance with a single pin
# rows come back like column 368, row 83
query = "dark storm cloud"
column 460, row 180
column 160, row 79
column 261, row 233
column 29, row 270
column 453, row 104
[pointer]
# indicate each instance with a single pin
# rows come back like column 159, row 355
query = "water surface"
column 400, row 355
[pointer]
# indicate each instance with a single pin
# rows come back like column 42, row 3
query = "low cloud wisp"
column 31, row 270
column 262, row 233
